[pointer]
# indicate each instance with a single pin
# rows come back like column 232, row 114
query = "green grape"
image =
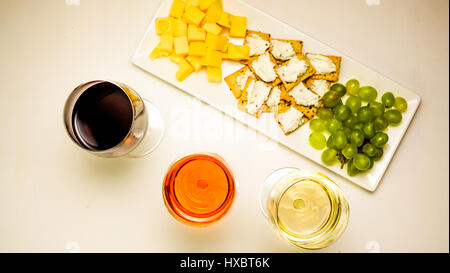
column 351, row 169
column 325, row 113
column 354, row 103
column 388, row 99
column 380, row 123
column 331, row 98
column 352, row 87
column 347, row 131
column 379, row 139
column 334, row 125
column 342, row 112
column 352, row 120
column 369, row 129
column 369, row 150
column 365, row 114
column 361, row 162
column 377, row 108
column 330, row 142
column 357, row 126
column 339, row 88
column 318, row 125
column 401, row 104
column 367, row 93
column 329, row 157
column 378, row 155
column 371, row 163
column 394, row 117
column 317, row 141
column 349, row 150
column 340, row 139
column 357, row 137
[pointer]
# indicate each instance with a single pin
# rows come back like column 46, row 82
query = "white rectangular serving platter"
column 220, row 97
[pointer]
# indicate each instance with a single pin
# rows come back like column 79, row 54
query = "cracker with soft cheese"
column 258, row 42
column 283, row 50
column 254, row 96
column 327, row 66
column 305, row 100
column 237, row 80
column 318, row 86
column 294, row 71
column 289, row 118
column 264, row 66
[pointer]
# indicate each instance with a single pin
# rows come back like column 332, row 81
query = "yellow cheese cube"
column 224, row 19
column 237, row 52
column 158, row 53
column 177, row 8
column 163, row 25
column 217, row 42
column 166, row 42
column 179, row 28
column 196, row 62
column 195, row 33
column 213, row 58
column 193, row 15
column 197, row 49
column 204, row 4
column 214, row 12
column 184, row 70
column 212, row 28
column 175, row 58
column 181, row 45
column 238, row 26
column 214, row 74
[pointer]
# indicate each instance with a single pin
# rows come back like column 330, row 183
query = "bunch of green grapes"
column 356, row 129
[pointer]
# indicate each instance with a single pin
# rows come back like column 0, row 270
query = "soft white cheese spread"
column 303, row 96
column 274, row 97
column 282, row 50
column 264, row 68
column 320, row 87
column 292, row 70
column 291, row 119
column 241, row 80
column 257, row 94
column 257, row 44
column 322, row 64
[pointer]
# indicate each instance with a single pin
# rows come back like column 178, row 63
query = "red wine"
column 102, row 116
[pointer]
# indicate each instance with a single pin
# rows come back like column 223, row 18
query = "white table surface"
column 54, row 197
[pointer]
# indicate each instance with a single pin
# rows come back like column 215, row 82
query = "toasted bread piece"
column 297, row 45
column 334, row 76
column 309, row 72
column 310, row 84
column 253, row 59
column 232, row 81
column 243, row 100
column 282, row 110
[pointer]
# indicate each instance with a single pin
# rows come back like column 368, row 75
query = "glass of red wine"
column 110, row 119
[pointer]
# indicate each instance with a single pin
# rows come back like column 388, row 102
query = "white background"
column 54, row 197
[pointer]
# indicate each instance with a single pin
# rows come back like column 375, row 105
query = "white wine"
column 307, row 208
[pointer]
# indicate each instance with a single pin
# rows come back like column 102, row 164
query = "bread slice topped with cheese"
column 274, row 99
column 238, row 80
column 258, row 42
column 327, row 66
column 254, row 96
column 263, row 66
column 320, row 87
column 294, row 71
column 283, row 50
column 289, row 118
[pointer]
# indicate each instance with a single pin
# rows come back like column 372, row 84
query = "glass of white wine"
column 305, row 207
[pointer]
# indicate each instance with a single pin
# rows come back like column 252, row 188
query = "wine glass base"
column 154, row 134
